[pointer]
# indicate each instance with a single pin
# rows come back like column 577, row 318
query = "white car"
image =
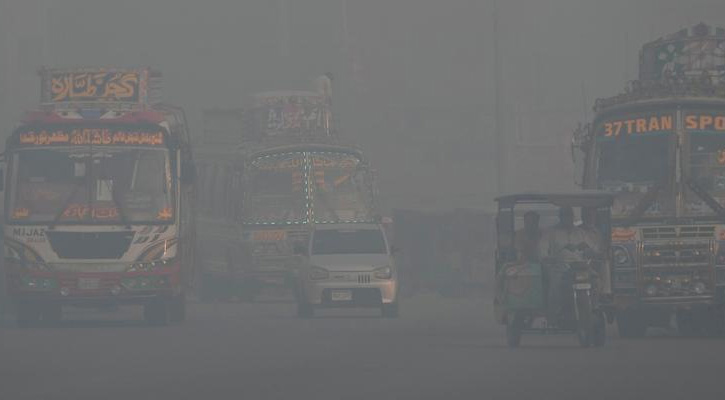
column 348, row 265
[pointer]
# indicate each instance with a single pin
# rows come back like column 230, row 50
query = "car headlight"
column 621, row 256
column 317, row 273
column 383, row 273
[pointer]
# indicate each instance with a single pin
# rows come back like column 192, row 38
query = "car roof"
column 584, row 198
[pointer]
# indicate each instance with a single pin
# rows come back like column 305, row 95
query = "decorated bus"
column 268, row 174
column 99, row 201
column 660, row 147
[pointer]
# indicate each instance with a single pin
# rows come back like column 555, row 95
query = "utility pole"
column 499, row 137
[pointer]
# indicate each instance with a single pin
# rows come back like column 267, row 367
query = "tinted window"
column 360, row 241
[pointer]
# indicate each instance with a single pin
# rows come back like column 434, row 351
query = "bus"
column 99, row 198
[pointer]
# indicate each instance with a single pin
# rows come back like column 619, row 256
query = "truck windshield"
column 641, row 159
column 102, row 184
column 277, row 190
column 341, row 189
column 354, row 241
column 707, row 168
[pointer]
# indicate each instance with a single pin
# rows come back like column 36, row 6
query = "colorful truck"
column 269, row 173
column 660, row 147
column 99, row 198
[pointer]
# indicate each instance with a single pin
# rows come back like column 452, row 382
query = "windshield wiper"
column 706, row 197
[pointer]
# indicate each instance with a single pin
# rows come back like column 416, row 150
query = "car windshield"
column 341, row 188
column 640, row 160
column 353, row 241
column 102, row 184
column 276, row 190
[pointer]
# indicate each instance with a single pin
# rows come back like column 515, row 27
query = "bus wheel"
column 28, row 315
column 52, row 313
column 156, row 313
column 177, row 308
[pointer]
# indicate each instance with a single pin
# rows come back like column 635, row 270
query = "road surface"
column 438, row 349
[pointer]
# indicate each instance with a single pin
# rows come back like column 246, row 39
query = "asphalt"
column 439, row 348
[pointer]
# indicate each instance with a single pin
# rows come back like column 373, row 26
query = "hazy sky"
column 414, row 77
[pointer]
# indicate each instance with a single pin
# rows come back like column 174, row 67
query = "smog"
column 335, row 199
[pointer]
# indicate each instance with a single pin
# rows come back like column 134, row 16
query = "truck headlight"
column 383, row 273
column 699, row 288
column 621, row 256
column 318, row 274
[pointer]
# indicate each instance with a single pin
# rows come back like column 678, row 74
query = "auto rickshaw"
column 527, row 284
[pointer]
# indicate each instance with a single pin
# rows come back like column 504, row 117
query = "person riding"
column 527, row 239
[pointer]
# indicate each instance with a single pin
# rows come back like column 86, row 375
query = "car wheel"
column 305, row 309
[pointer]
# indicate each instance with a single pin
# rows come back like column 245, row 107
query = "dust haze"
column 453, row 103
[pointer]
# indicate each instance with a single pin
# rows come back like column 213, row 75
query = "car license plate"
column 341, row 295
column 89, row 283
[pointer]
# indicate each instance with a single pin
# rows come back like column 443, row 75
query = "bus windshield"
column 99, row 184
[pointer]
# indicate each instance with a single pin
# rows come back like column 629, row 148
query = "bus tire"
column 156, row 313
column 177, row 309
column 28, row 314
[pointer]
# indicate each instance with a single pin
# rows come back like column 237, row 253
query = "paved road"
column 438, row 349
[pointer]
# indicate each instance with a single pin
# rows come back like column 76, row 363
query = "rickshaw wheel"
column 514, row 326
column 586, row 330
column 599, row 333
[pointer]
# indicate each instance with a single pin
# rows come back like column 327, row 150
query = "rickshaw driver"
column 563, row 243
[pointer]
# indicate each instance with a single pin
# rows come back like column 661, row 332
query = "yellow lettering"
column 705, row 122
column 608, row 129
column 666, row 123
column 618, row 128
column 654, row 124
column 691, row 122
column 630, row 126
column 641, row 125
column 720, row 123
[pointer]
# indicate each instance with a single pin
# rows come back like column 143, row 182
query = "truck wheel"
column 28, row 315
column 514, row 328
column 177, row 309
column 305, row 309
column 631, row 324
column 156, row 313
column 389, row 310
